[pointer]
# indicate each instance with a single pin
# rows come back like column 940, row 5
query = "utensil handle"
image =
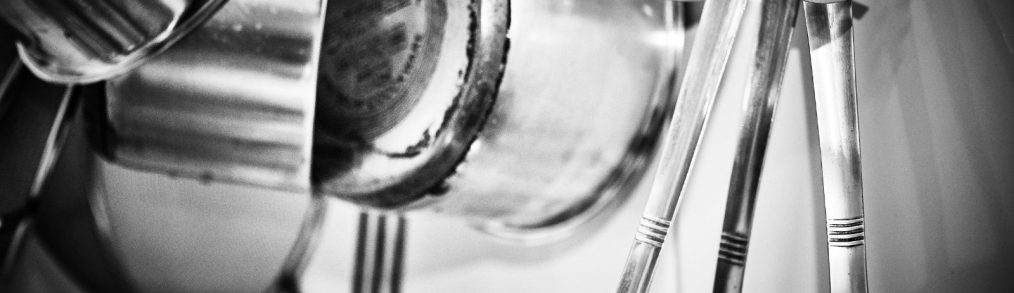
column 719, row 24
column 57, row 135
column 640, row 266
column 10, row 75
column 777, row 20
column 14, row 225
column 829, row 27
column 302, row 250
column 380, row 253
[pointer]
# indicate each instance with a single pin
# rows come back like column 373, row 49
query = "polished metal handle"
column 777, row 20
column 720, row 22
column 302, row 250
column 829, row 27
column 380, row 253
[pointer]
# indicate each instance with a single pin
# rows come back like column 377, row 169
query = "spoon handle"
column 829, row 27
column 777, row 20
column 719, row 24
column 380, row 253
column 299, row 257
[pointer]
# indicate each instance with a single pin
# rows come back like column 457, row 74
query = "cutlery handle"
column 302, row 250
column 380, row 253
column 777, row 20
column 829, row 27
column 719, row 24
column 14, row 224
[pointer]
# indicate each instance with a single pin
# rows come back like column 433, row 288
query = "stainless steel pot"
column 231, row 102
column 200, row 111
column 526, row 117
column 82, row 41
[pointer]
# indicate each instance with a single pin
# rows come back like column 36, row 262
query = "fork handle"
column 829, row 28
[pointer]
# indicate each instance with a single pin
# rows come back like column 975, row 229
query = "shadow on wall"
column 935, row 81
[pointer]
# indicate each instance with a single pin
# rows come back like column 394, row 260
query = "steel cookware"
column 82, row 41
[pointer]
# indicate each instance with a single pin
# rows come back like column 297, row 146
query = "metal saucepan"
column 495, row 111
column 230, row 102
column 525, row 117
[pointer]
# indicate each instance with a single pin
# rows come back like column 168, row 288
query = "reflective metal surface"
column 116, row 229
column 367, row 148
column 220, row 106
column 231, row 102
column 380, row 253
column 416, row 101
column 21, row 201
column 829, row 27
column 933, row 79
column 24, row 132
column 82, row 41
column 567, row 141
column 63, row 221
column 720, row 23
column 32, row 131
column 515, row 128
column 774, row 34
